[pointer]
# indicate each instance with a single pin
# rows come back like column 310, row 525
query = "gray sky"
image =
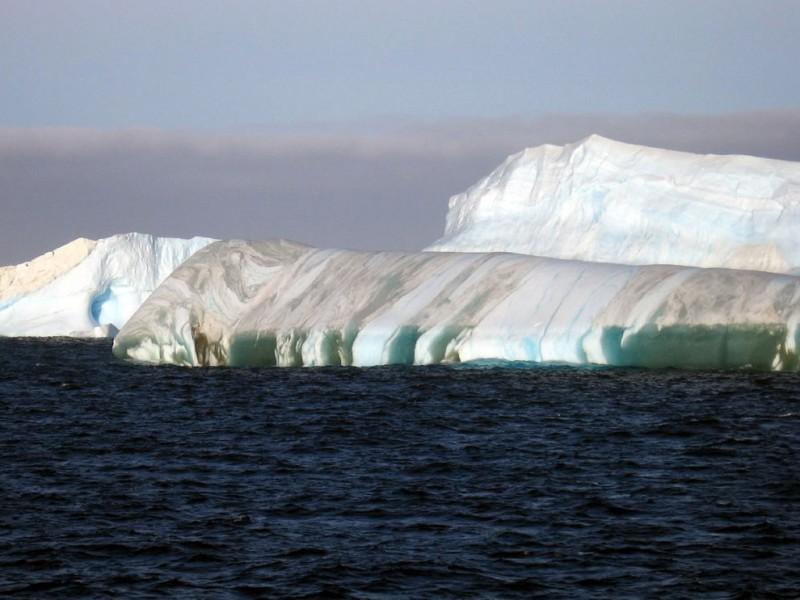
column 239, row 63
column 350, row 123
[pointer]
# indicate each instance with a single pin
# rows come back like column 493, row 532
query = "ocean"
column 486, row 480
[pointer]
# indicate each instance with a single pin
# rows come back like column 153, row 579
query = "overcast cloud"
column 381, row 185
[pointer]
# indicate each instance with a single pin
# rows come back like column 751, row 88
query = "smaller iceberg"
column 285, row 304
column 87, row 288
column 606, row 201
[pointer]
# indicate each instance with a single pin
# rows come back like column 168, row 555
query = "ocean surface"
column 486, row 480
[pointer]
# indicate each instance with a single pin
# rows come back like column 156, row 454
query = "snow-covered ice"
column 598, row 252
column 87, row 288
column 281, row 303
column 607, row 201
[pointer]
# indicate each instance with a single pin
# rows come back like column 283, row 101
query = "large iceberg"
column 607, row 201
column 87, row 288
column 593, row 253
column 281, row 303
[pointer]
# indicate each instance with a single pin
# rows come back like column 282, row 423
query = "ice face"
column 606, row 201
column 280, row 303
column 87, row 288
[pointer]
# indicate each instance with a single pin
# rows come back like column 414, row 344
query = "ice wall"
column 607, row 201
column 280, row 303
column 87, row 288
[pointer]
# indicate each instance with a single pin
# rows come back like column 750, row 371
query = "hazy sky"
column 350, row 123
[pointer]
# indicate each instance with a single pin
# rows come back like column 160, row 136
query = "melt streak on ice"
column 87, row 288
column 281, row 303
column 606, row 201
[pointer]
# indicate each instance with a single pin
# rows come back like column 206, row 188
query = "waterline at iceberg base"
column 280, row 303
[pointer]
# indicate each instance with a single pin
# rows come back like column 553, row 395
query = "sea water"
column 483, row 480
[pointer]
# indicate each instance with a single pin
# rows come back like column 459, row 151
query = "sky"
column 350, row 123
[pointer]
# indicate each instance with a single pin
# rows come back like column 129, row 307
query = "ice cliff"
column 87, row 288
column 280, row 303
column 605, row 201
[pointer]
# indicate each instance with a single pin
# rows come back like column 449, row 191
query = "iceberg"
column 598, row 252
column 600, row 200
column 87, row 288
column 282, row 303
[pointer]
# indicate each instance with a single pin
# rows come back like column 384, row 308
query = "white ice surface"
column 280, row 303
column 605, row 201
column 87, row 288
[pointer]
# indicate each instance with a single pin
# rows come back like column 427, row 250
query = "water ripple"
column 393, row 482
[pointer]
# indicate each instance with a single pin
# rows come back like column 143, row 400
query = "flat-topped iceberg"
column 606, row 201
column 87, row 288
column 281, row 303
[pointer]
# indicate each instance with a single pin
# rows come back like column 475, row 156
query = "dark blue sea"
column 487, row 481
